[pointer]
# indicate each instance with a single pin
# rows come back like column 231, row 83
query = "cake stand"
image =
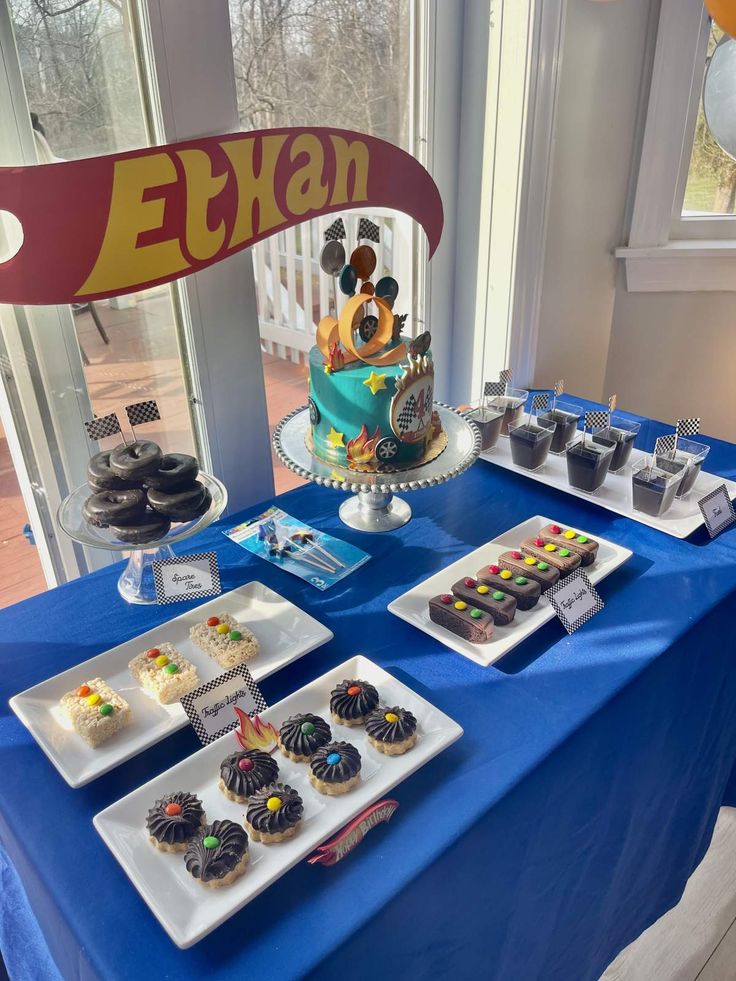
column 373, row 506
column 136, row 584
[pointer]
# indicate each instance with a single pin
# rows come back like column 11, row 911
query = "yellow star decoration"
column 335, row 438
column 375, row 382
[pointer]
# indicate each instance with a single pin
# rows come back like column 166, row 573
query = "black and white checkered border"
column 142, row 412
column 336, row 231
column 721, row 491
column 209, row 686
column 665, row 444
column 158, row 579
column 103, row 426
column 506, row 376
column 687, row 427
column 491, row 389
column 572, row 625
column 368, row 229
column 540, row 401
column 597, row 419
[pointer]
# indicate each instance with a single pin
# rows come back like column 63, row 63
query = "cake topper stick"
column 308, row 536
column 611, row 408
column 559, row 389
column 539, row 401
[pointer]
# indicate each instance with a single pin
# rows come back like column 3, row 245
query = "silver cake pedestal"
column 136, row 583
column 373, row 506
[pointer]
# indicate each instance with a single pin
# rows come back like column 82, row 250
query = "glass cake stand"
column 373, row 506
column 136, row 584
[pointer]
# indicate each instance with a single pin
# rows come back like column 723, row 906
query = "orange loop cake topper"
column 111, row 225
column 343, row 330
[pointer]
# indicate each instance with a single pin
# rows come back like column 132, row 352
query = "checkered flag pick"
column 491, row 389
column 103, row 426
column 559, row 387
column 688, row 427
column 505, row 376
column 368, row 230
column 336, row 231
column 408, row 412
column 596, row 420
column 142, row 412
column 665, row 445
column 540, row 401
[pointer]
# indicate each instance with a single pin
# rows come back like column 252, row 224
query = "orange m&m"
column 83, row 691
column 173, row 809
column 354, row 690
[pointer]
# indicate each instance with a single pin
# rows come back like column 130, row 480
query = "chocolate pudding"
column 588, row 463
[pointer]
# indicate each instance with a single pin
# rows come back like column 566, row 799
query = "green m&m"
column 565, row 553
column 543, row 567
column 583, row 539
column 106, row 709
column 171, row 668
column 498, row 595
column 476, row 614
column 307, row 728
column 521, row 581
column 211, row 842
column 235, row 635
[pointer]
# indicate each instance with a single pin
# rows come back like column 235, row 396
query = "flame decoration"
column 361, row 450
column 336, row 358
column 254, row 734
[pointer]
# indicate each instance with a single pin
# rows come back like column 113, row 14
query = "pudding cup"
column 512, row 405
column 565, row 416
column 488, row 420
column 623, row 433
column 653, row 489
column 588, row 463
column 691, row 455
column 530, row 442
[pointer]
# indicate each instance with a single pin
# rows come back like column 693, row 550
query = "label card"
column 186, row 577
column 574, row 600
column 352, row 834
column 211, row 706
column 718, row 511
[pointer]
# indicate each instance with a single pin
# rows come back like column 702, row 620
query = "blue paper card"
column 298, row 548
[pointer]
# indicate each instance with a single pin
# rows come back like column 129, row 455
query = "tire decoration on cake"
column 371, row 388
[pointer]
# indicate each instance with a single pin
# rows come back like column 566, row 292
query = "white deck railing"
column 293, row 292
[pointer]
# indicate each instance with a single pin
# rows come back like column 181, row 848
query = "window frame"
column 665, row 251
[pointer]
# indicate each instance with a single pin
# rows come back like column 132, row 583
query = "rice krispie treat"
column 225, row 640
column 96, row 711
column 164, row 673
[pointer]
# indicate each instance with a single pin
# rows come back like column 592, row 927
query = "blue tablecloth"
column 565, row 821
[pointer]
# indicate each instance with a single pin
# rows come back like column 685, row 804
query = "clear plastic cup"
column 511, row 404
column 530, row 442
column 623, row 433
column 488, row 420
column 565, row 416
column 653, row 489
column 692, row 456
column 588, row 463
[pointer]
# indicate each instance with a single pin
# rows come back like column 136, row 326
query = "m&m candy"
column 212, row 621
column 172, row 809
column 154, row 652
column 83, row 691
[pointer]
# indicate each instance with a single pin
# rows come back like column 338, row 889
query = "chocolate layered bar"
column 501, row 605
column 457, row 616
column 529, row 567
column 555, row 555
column 525, row 591
column 96, row 711
column 586, row 548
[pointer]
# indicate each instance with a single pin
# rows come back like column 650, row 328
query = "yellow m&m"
column 505, row 574
column 222, row 628
column 482, row 590
column 274, row 803
column 550, row 548
column 93, row 699
column 161, row 661
column 530, row 561
column 460, row 605
column 391, row 717
column 569, row 534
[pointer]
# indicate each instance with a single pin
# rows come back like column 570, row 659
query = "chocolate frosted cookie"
column 274, row 814
column 586, row 548
column 174, row 820
column 352, row 701
column 501, row 605
column 391, row 730
column 135, row 461
column 335, row 768
column 459, row 618
column 530, row 568
column 302, row 735
column 525, row 591
column 218, row 855
column 243, row 773
column 555, row 555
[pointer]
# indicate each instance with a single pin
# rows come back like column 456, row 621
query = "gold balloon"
column 723, row 13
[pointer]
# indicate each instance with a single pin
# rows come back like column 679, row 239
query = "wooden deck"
column 141, row 361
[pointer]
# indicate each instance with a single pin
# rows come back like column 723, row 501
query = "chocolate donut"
column 177, row 470
column 151, row 527
column 114, row 507
column 136, row 460
column 100, row 476
column 181, row 505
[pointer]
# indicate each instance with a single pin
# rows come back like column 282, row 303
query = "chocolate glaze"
column 272, row 822
column 215, row 863
column 346, row 768
column 302, row 744
column 381, row 730
column 353, row 706
column 243, row 783
column 502, row 611
column 177, row 828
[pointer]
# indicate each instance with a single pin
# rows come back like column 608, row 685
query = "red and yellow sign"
column 111, row 225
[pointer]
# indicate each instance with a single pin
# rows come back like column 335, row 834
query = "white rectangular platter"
column 681, row 520
column 413, row 606
column 284, row 631
column 186, row 909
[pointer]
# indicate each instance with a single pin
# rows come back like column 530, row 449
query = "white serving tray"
column 681, row 520
column 186, row 909
column 413, row 606
column 284, row 631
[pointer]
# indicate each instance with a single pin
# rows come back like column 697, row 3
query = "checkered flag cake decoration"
column 596, row 420
column 491, row 389
column 408, row 411
column 368, row 230
column 336, row 231
column 506, row 376
column 142, row 412
column 688, row 427
column 540, row 401
column 103, row 426
column 665, row 445
column 559, row 387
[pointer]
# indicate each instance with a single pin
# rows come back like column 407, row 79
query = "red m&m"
column 212, row 621
column 469, row 582
column 516, row 555
column 245, row 764
column 445, row 598
column 154, row 652
column 173, row 809
column 539, row 541
column 556, row 530
column 495, row 569
column 354, row 690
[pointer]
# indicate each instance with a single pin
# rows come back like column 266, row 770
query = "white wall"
column 654, row 350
